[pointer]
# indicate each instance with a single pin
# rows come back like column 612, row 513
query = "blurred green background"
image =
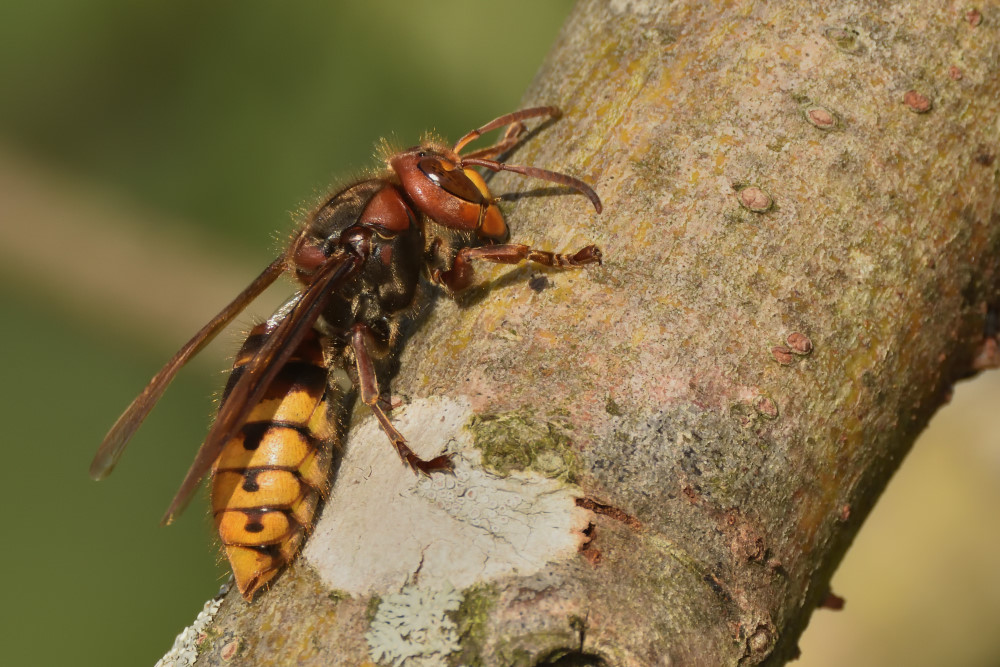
column 152, row 157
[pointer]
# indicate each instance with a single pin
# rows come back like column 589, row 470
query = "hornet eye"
column 453, row 181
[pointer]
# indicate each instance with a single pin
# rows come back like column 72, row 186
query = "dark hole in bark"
column 572, row 659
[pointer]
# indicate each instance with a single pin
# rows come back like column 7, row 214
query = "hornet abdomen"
column 270, row 477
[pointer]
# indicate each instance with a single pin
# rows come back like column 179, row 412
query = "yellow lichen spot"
column 547, row 337
column 638, row 336
column 720, row 162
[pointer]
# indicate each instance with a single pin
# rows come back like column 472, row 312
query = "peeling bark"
column 801, row 249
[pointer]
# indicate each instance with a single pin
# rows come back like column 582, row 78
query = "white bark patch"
column 384, row 526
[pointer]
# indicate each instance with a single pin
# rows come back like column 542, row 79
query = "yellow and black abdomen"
column 270, row 477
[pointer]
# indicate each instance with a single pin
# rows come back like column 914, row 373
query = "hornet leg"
column 460, row 275
column 368, row 388
column 510, row 138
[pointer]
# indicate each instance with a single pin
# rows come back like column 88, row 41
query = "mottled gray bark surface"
column 663, row 459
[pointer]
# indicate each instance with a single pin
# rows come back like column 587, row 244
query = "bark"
column 662, row 460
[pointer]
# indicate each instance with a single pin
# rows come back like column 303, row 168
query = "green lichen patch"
column 517, row 441
column 845, row 39
column 471, row 619
column 206, row 639
column 372, row 608
column 612, row 408
column 337, row 596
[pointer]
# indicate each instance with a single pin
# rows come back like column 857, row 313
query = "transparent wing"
column 118, row 437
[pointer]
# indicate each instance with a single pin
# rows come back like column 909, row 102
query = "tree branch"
column 663, row 460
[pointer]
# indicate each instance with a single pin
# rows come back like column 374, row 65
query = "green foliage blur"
column 225, row 117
